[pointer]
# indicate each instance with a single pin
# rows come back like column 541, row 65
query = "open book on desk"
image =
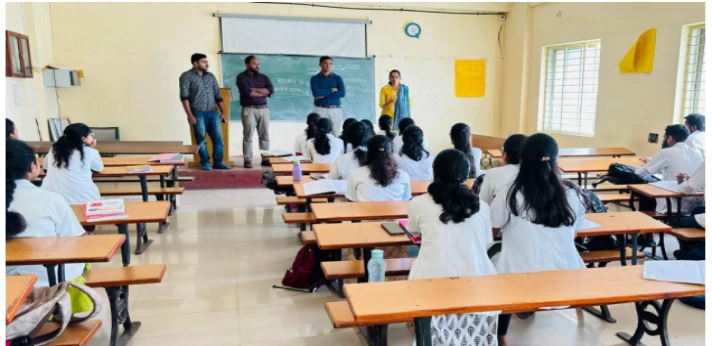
column 670, row 185
column 324, row 187
column 689, row 272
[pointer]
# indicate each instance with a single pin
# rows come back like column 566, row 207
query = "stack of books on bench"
column 105, row 210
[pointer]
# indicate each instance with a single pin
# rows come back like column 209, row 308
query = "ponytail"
column 379, row 159
column 19, row 158
column 357, row 134
column 450, row 170
column 413, row 143
column 70, row 141
column 460, row 137
column 385, row 123
column 311, row 125
column 321, row 141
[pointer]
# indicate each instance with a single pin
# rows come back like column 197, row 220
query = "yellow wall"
column 133, row 53
column 629, row 106
column 34, row 100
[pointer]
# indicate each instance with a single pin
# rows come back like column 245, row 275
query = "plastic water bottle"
column 376, row 267
column 297, row 171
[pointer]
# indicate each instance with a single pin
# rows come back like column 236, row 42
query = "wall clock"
column 413, row 30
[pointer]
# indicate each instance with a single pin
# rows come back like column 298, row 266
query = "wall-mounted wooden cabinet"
column 18, row 62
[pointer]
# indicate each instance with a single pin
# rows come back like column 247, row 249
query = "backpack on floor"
column 270, row 179
column 40, row 305
column 621, row 174
column 305, row 273
column 603, row 242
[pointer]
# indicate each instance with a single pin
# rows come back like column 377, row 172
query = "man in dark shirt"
column 254, row 89
column 328, row 89
column 199, row 93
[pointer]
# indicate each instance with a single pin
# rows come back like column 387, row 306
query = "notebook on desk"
column 167, row 158
column 325, row 187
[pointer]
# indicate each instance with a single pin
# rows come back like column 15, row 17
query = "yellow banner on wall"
column 470, row 78
column 641, row 56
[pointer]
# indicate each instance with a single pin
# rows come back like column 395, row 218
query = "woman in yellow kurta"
column 395, row 98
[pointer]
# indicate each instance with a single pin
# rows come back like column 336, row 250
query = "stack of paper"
column 667, row 185
column 689, row 272
column 139, row 169
column 108, row 209
column 324, row 187
column 294, row 158
column 167, row 158
column 276, row 153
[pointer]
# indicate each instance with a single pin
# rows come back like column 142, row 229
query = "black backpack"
column 270, row 179
column 603, row 242
column 621, row 174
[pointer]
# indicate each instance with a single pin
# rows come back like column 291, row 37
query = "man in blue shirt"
column 328, row 89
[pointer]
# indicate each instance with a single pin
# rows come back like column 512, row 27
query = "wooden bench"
column 605, row 187
column 613, row 198
column 308, row 237
column 169, row 180
column 354, row 269
column 287, row 200
column 116, row 281
column 297, row 218
column 77, row 334
column 688, row 234
column 606, row 256
column 655, row 215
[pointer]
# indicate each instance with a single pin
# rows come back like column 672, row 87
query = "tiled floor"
column 226, row 248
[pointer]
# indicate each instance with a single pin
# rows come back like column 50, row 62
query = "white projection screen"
column 294, row 36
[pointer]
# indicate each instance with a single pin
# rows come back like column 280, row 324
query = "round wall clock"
column 413, row 30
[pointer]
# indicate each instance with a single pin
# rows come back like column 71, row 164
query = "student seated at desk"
column 695, row 123
column 499, row 177
column 300, row 143
column 675, row 158
column 398, row 141
column 385, row 124
column 347, row 146
column 357, row 134
column 455, row 227
column 692, row 184
column 460, row 138
column 11, row 130
column 413, row 158
column 380, row 179
column 34, row 212
column 538, row 216
column 324, row 147
column 370, row 126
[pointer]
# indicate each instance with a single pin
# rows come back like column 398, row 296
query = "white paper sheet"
column 692, row 272
column 325, row 186
column 276, row 153
column 588, row 224
column 667, row 185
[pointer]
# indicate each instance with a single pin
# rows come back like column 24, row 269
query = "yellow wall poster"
column 470, row 78
column 641, row 56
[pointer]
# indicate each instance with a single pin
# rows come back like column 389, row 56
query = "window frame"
column 699, row 72
column 543, row 87
column 9, row 65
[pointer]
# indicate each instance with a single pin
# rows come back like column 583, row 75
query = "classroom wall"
column 629, row 106
column 132, row 66
column 27, row 99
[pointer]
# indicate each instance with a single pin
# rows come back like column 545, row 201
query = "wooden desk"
column 127, row 148
column 360, row 211
column 585, row 166
column 307, row 168
column 334, row 236
column 397, row 301
column 51, row 252
column 578, row 152
column 281, row 160
column 17, row 288
column 417, row 188
column 287, row 180
column 139, row 213
column 122, row 161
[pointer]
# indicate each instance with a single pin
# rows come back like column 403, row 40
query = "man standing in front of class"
column 254, row 89
column 328, row 89
column 199, row 93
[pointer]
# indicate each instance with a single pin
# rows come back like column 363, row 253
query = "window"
column 17, row 62
column 693, row 94
column 570, row 88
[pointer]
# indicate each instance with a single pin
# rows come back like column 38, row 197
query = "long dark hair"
column 513, row 146
column 541, row 186
column 404, row 123
column 345, row 126
column 312, row 118
column 358, row 134
column 450, row 169
column 321, row 141
column 19, row 158
column 9, row 128
column 379, row 159
column 370, row 126
column 385, row 123
column 70, row 141
column 413, row 143
column 460, row 137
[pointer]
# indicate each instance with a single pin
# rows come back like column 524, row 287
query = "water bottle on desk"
column 376, row 267
column 297, row 171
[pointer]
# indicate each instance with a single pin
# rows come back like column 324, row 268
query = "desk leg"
column 377, row 335
column 423, row 336
column 366, row 254
column 126, row 246
column 142, row 241
column 51, row 274
column 119, row 304
column 60, row 273
column 632, row 200
column 580, row 181
column 144, row 188
column 622, row 246
column 647, row 320
column 634, row 259
column 585, row 180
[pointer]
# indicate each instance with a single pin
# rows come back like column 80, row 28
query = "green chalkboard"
column 292, row 99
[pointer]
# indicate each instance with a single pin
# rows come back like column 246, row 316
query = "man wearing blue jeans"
column 199, row 93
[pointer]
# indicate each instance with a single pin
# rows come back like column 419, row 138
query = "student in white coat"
column 357, row 134
column 456, row 229
column 413, row 158
column 499, row 177
column 347, row 146
column 398, row 141
column 324, row 147
column 692, row 183
column 460, row 138
column 300, row 143
column 380, row 179
column 385, row 127
column 538, row 216
column 34, row 212
column 696, row 124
